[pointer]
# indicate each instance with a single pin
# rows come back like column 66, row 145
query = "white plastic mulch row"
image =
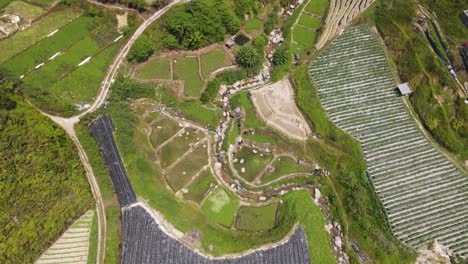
column 73, row 245
column 424, row 195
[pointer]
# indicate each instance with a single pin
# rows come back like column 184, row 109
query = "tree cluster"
column 43, row 184
column 198, row 23
column 141, row 50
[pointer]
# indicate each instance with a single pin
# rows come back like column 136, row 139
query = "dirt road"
column 68, row 125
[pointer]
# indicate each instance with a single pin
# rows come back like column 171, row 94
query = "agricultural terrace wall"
column 145, row 242
column 424, row 195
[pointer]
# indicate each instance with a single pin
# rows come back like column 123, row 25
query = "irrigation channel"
column 145, row 240
column 424, row 195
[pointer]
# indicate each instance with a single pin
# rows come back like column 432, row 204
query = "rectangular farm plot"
column 163, row 129
column 181, row 173
column 27, row 10
column 309, row 21
column 220, row 206
column 186, row 69
column 155, row 70
column 214, row 60
column 317, row 7
column 282, row 166
column 174, row 149
column 56, row 45
column 303, row 36
column 200, row 187
column 250, row 162
column 83, row 83
column 256, row 218
column 39, row 30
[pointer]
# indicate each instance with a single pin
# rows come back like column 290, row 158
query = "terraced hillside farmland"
column 340, row 14
column 73, row 245
column 424, row 195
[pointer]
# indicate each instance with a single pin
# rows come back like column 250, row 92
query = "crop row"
column 424, row 195
column 102, row 131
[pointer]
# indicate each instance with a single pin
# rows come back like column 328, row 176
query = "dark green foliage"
column 124, row 89
column 271, row 23
column 198, row 23
column 244, row 7
column 42, row 182
column 281, row 55
column 260, row 42
column 227, row 77
column 248, row 57
column 8, row 87
column 141, row 50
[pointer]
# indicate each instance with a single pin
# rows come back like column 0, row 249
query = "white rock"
column 262, row 198
column 338, row 242
column 243, row 170
column 242, row 161
column 255, row 151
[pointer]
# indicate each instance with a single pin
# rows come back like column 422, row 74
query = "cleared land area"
column 200, row 187
column 276, row 106
column 256, row 218
column 214, row 60
column 155, row 69
column 282, row 166
column 423, row 193
column 73, row 245
column 250, row 162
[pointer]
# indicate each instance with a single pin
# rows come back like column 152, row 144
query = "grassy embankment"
column 112, row 208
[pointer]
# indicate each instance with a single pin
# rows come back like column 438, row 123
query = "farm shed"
column 230, row 43
column 464, row 17
column 405, row 88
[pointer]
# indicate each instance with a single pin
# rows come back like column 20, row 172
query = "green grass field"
column 39, row 30
column 254, row 26
column 46, row 48
column 186, row 69
column 93, row 237
column 163, row 129
column 253, row 164
column 195, row 111
column 220, row 207
column 256, row 218
column 200, row 187
column 309, row 21
column 283, row 166
column 242, row 100
column 84, row 82
column 181, row 173
column 317, row 7
column 177, row 147
column 4, row 3
column 213, row 61
column 29, row 10
column 303, row 36
column 155, row 69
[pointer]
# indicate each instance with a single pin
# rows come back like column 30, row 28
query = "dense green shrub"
column 281, row 55
column 271, row 22
column 141, row 50
column 248, row 57
column 198, row 23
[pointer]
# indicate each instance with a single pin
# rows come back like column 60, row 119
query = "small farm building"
column 230, row 43
column 405, row 88
column 464, row 17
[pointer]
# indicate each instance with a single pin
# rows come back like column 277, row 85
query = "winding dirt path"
column 68, row 123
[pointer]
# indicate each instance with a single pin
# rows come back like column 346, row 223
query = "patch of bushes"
column 141, row 50
column 198, row 23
